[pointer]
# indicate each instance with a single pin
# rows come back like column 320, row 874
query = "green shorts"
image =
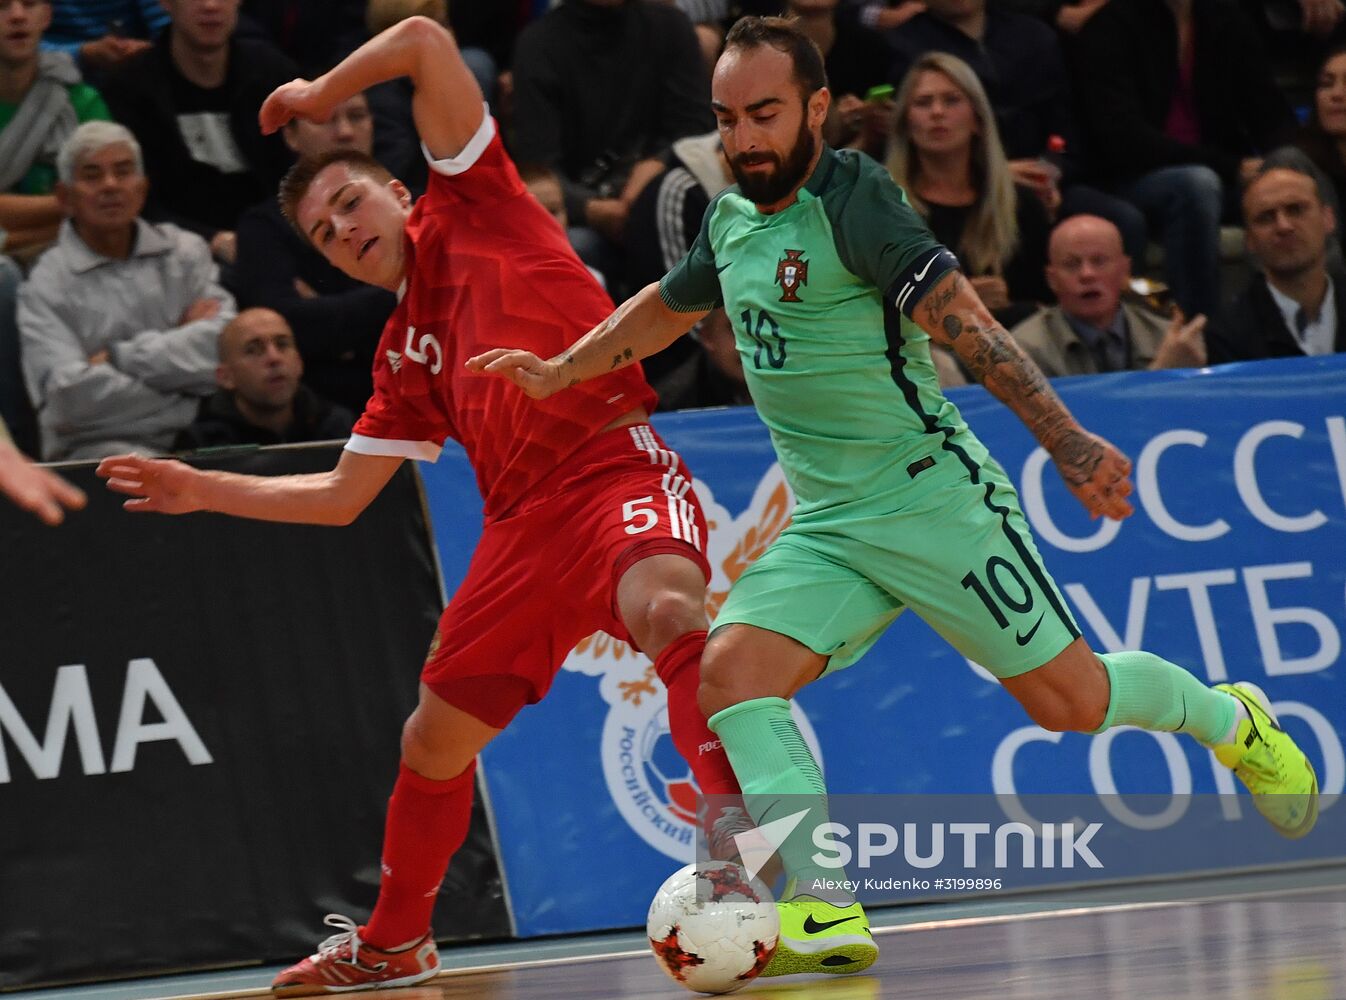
column 960, row 555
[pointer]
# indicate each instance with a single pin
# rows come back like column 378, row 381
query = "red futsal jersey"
column 488, row 267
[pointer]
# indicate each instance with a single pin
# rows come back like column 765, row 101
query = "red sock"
column 678, row 666
column 427, row 822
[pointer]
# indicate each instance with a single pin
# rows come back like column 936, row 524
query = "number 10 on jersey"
column 763, row 332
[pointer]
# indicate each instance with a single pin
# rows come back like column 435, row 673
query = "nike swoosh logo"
column 1024, row 640
column 921, row 273
column 812, row 926
column 720, row 269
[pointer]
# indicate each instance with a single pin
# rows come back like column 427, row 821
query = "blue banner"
column 1234, row 565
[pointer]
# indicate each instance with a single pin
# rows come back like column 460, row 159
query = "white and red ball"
column 711, row 928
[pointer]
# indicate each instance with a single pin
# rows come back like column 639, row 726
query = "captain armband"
column 920, row 276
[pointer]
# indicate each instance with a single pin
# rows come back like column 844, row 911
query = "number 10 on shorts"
column 642, row 515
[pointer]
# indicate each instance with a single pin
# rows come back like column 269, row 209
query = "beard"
column 769, row 188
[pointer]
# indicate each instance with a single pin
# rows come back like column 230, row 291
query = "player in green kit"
column 836, row 287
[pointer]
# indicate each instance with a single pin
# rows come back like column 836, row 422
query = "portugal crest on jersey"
column 792, row 272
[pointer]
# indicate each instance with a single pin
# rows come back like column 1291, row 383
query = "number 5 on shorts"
column 632, row 509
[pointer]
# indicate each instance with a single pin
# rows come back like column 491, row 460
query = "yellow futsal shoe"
column 1284, row 787
column 816, row 936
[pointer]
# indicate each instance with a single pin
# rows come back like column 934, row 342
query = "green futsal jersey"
column 820, row 296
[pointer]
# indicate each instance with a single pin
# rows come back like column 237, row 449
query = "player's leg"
column 1078, row 690
column 492, row 654
column 427, row 821
column 662, row 601
column 986, row 590
column 793, row 614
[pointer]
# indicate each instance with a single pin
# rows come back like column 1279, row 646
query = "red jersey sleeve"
column 399, row 419
column 481, row 175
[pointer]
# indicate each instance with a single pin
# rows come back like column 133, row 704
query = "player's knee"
column 429, row 750
column 665, row 617
column 722, row 687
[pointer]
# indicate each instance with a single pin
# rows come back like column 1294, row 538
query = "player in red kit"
column 590, row 520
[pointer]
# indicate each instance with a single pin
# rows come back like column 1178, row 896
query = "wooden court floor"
column 1286, row 946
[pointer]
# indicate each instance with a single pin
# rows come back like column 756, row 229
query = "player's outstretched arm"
column 448, row 104
column 641, row 326
column 166, row 486
column 1096, row 472
column 34, row 488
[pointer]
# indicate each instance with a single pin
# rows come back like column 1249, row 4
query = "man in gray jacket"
column 1092, row 329
column 119, row 321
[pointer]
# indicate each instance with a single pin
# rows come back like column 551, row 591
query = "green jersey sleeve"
column 882, row 239
column 694, row 283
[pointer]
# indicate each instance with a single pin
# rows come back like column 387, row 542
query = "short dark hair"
column 300, row 177
column 783, row 35
column 1296, row 161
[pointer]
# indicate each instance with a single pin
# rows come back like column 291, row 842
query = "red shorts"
column 545, row 576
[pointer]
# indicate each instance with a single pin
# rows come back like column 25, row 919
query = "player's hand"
column 296, row 99
column 156, row 484
column 1096, row 472
column 36, row 489
column 538, row 378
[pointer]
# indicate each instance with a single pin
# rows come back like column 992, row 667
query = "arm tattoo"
column 940, row 301
column 1077, row 456
column 620, row 359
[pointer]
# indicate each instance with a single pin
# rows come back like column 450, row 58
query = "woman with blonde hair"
column 946, row 154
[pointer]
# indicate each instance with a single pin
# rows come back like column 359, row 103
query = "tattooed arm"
column 1095, row 471
column 641, row 326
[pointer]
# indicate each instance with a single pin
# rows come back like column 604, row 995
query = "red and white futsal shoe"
column 343, row 964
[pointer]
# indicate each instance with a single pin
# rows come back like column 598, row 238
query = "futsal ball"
column 711, row 928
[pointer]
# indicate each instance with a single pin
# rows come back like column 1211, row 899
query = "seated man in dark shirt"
column 192, row 101
column 260, row 400
column 337, row 321
column 1296, row 304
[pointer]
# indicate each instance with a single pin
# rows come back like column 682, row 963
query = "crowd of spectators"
column 1090, row 162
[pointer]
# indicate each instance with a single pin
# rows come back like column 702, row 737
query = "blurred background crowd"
column 1129, row 184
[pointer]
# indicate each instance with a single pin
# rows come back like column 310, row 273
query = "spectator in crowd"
column 1324, row 137
column 119, row 319
column 602, row 89
column 41, row 101
column 260, row 399
column 103, row 34
column 1180, row 106
column 856, row 60
column 192, row 101
column 315, row 34
column 946, row 155
column 1019, row 62
column 1092, row 329
column 1296, row 304
column 336, row 320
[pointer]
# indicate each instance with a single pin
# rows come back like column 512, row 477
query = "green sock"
column 779, row 777
column 1150, row 692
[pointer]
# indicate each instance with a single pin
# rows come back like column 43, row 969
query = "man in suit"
column 1092, row 329
column 1296, row 304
